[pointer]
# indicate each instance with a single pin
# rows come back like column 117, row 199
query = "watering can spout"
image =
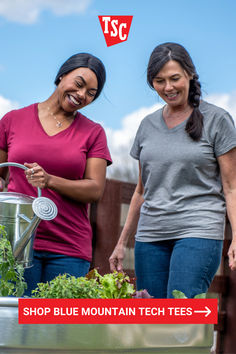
column 44, row 209
column 21, row 244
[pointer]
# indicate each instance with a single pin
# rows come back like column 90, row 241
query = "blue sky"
column 36, row 37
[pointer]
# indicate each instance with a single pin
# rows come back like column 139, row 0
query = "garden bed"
column 102, row 338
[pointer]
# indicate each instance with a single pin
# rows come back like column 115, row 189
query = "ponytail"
column 194, row 124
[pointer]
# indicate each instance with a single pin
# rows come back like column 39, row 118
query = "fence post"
column 106, row 219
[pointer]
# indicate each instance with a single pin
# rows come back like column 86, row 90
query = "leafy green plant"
column 180, row 295
column 93, row 286
column 68, row 287
column 114, row 285
column 11, row 273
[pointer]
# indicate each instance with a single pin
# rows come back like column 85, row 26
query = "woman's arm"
column 87, row 190
column 130, row 227
column 227, row 164
column 4, row 170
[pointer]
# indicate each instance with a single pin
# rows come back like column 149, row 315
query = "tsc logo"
column 115, row 28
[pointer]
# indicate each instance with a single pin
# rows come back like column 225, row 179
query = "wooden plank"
column 219, row 285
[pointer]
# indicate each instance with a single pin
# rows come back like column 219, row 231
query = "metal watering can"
column 21, row 214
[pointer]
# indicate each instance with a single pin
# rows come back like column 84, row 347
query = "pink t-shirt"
column 64, row 154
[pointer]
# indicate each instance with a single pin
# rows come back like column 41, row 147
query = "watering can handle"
column 14, row 164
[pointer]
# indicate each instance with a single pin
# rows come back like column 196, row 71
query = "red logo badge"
column 115, row 28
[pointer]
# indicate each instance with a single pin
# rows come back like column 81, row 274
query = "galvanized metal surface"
column 15, row 214
column 21, row 214
column 114, row 338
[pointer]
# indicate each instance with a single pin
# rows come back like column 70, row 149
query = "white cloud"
column 120, row 141
column 225, row 100
column 28, row 11
column 6, row 106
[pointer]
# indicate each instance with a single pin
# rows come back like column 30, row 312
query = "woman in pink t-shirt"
column 66, row 154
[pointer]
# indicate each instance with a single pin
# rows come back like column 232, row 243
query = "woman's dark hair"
column 173, row 51
column 87, row 61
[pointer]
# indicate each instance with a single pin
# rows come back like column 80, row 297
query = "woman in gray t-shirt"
column 186, row 154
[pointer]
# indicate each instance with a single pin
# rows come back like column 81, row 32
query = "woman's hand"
column 36, row 175
column 86, row 190
column 130, row 227
column 116, row 259
column 2, row 184
column 232, row 255
column 4, row 170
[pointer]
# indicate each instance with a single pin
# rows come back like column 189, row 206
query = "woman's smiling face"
column 172, row 84
column 77, row 89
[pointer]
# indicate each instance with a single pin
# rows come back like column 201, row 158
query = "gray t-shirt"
column 183, row 194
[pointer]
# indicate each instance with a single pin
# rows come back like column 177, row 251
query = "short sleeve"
column 98, row 147
column 136, row 147
column 225, row 136
column 3, row 133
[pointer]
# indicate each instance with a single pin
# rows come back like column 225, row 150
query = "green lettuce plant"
column 68, row 287
column 180, row 295
column 114, row 285
column 93, row 286
column 11, row 273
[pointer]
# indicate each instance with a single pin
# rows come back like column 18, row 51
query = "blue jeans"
column 187, row 264
column 48, row 265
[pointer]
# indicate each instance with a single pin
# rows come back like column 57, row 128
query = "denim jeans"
column 187, row 264
column 48, row 265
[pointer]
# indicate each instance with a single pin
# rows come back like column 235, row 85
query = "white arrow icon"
column 207, row 311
